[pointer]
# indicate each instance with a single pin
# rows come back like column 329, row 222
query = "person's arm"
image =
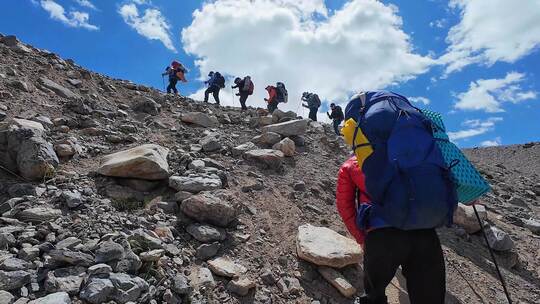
column 345, row 203
column 305, row 105
column 234, row 86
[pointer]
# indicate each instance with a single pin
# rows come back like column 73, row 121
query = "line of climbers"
column 276, row 94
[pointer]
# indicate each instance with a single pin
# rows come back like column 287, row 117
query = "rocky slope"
column 112, row 192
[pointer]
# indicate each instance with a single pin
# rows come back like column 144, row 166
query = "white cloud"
column 86, row 3
column 491, row 31
column 420, row 99
column 73, row 19
column 151, row 24
column 491, row 143
column 489, row 94
column 358, row 47
column 474, row 127
column 440, row 23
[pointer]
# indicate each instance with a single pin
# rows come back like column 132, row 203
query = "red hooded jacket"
column 350, row 178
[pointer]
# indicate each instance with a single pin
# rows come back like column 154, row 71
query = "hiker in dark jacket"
column 337, row 117
column 213, row 86
column 244, row 90
column 176, row 71
column 272, row 98
column 312, row 103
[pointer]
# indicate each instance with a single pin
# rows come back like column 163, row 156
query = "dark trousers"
column 313, row 114
column 272, row 106
column 336, row 123
column 172, row 85
column 215, row 92
column 420, row 256
column 243, row 98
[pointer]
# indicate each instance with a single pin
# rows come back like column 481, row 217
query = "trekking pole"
column 163, row 81
column 493, row 257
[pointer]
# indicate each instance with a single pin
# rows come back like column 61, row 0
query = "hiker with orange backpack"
column 272, row 98
column 245, row 88
column 393, row 194
column 176, row 71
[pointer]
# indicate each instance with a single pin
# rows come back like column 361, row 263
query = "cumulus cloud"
column 72, row 19
column 491, row 143
column 489, row 94
column 86, row 3
column 420, row 99
column 474, row 127
column 151, row 25
column 491, row 31
column 358, row 47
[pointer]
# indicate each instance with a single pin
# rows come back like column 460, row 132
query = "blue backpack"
column 406, row 176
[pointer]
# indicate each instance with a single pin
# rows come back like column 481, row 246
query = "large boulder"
column 266, row 158
column 147, row 162
column 325, row 247
column 267, row 139
column 195, row 183
column 208, row 208
column 200, row 119
column 288, row 128
column 280, row 116
column 146, row 105
column 23, row 149
column 286, row 146
column 58, row 89
column 465, row 218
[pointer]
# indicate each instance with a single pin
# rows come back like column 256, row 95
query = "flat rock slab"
column 53, row 298
column 147, row 162
column 267, row 158
column 288, row 128
column 195, row 183
column 58, row 89
column 325, row 247
column 208, row 208
column 226, row 268
column 200, row 119
column 338, row 281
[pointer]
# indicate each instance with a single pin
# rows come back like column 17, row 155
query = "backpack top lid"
column 364, row 100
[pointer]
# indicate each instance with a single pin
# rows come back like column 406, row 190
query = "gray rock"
column 145, row 240
column 10, row 280
column 200, row 119
column 6, row 297
column 180, row 196
column 225, row 267
column 147, row 105
column 99, row 269
column 202, row 278
column 180, row 285
column 533, row 225
column 208, row 208
column 210, row 143
column 287, row 146
column 240, row 286
column 266, row 158
column 498, row 239
column 13, row 264
column 243, row 148
column 127, row 288
column 38, row 214
column 73, row 199
column 267, row 139
column 299, row 186
column 80, row 106
column 53, row 298
column 3, row 115
column 97, row 291
column 147, row 162
column 58, row 89
column 206, row 233
column 109, row 251
column 68, row 243
column 71, row 257
column 289, row 128
column 195, row 183
column 152, row 255
column 21, row 85
column 29, row 253
column 65, row 279
column 23, row 189
column 207, row 251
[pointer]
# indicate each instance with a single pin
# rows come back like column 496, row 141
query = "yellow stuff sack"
column 348, row 132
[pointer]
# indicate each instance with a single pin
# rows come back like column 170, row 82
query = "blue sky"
column 475, row 61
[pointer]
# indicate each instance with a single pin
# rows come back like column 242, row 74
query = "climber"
column 245, row 88
column 176, row 71
column 272, row 99
column 336, row 116
column 215, row 83
column 312, row 103
column 374, row 196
